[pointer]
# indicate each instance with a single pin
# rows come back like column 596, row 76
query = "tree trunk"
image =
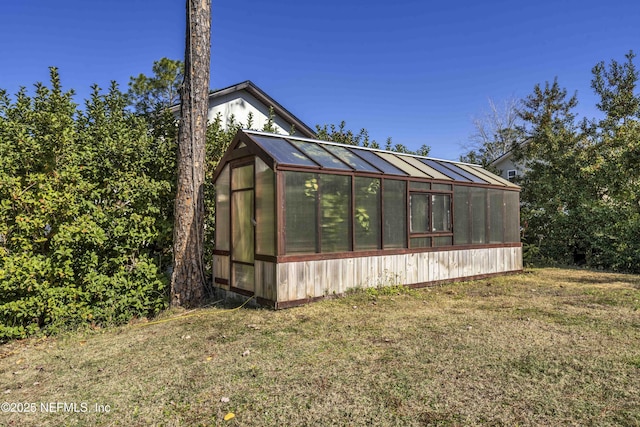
column 188, row 279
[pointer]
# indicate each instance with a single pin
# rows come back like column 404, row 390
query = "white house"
column 508, row 166
column 242, row 99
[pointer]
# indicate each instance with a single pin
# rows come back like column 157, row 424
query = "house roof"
column 263, row 97
column 312, row 154
column 508, row 154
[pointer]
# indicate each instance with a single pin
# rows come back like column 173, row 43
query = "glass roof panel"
column 282, row 151
column 378, row 162
column 424, row 168
column 320, row 155
column 443, row 169
column 350, row 158
column 470, row 176
column 398, row 162
column 291, row 151
column 491, row 178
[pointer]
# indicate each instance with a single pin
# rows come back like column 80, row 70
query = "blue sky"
column 417, row 71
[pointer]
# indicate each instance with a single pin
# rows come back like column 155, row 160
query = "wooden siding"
column 265, row 276
column 311, row 279
column 221, row 268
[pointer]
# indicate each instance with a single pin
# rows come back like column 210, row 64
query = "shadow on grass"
column 573, row 274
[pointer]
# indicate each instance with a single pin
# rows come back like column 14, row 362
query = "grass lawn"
column 546, row 347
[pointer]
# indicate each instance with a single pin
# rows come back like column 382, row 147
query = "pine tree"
column 188, row 279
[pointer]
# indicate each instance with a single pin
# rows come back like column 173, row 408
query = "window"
column 511, row 174
column 440, row 213
column 429, row 213
column 419, row 208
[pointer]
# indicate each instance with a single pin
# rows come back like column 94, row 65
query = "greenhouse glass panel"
column 242, row 177
column 419, row 212
column 461, row 215
column 489, row 177
column 421, row 242
column 415, row 161
column 440, row 212
column 242, row 228
column 283, row 152
column 244, row 277
column 320, row 155
column 442, row 241
column 222, row 210
column 396, row 160
column 416, row 185
column 366, row 221
column 265, row 209
column 479, row 212
column 378, row 162
column 444, row 170
column 512, row 217
column 469, row 176
column 441, row 187
column 350, row 158
column 300, row 196
column 395, row 214
column 496, row 211
column 335, row 206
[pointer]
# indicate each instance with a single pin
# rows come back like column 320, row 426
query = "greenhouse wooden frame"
column 299, row 219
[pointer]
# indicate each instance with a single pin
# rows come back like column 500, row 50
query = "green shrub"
column 85, row 212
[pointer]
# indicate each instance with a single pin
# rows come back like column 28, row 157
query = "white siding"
column 240, row 104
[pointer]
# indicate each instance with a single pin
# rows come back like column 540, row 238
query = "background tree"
column 188, row 277
column 554, row 188
column 159, row 91
column 342, row 135
column 614, row 158
column 581, row 193
column 497, row 131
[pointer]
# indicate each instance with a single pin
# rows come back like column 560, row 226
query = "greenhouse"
column 301, row 219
